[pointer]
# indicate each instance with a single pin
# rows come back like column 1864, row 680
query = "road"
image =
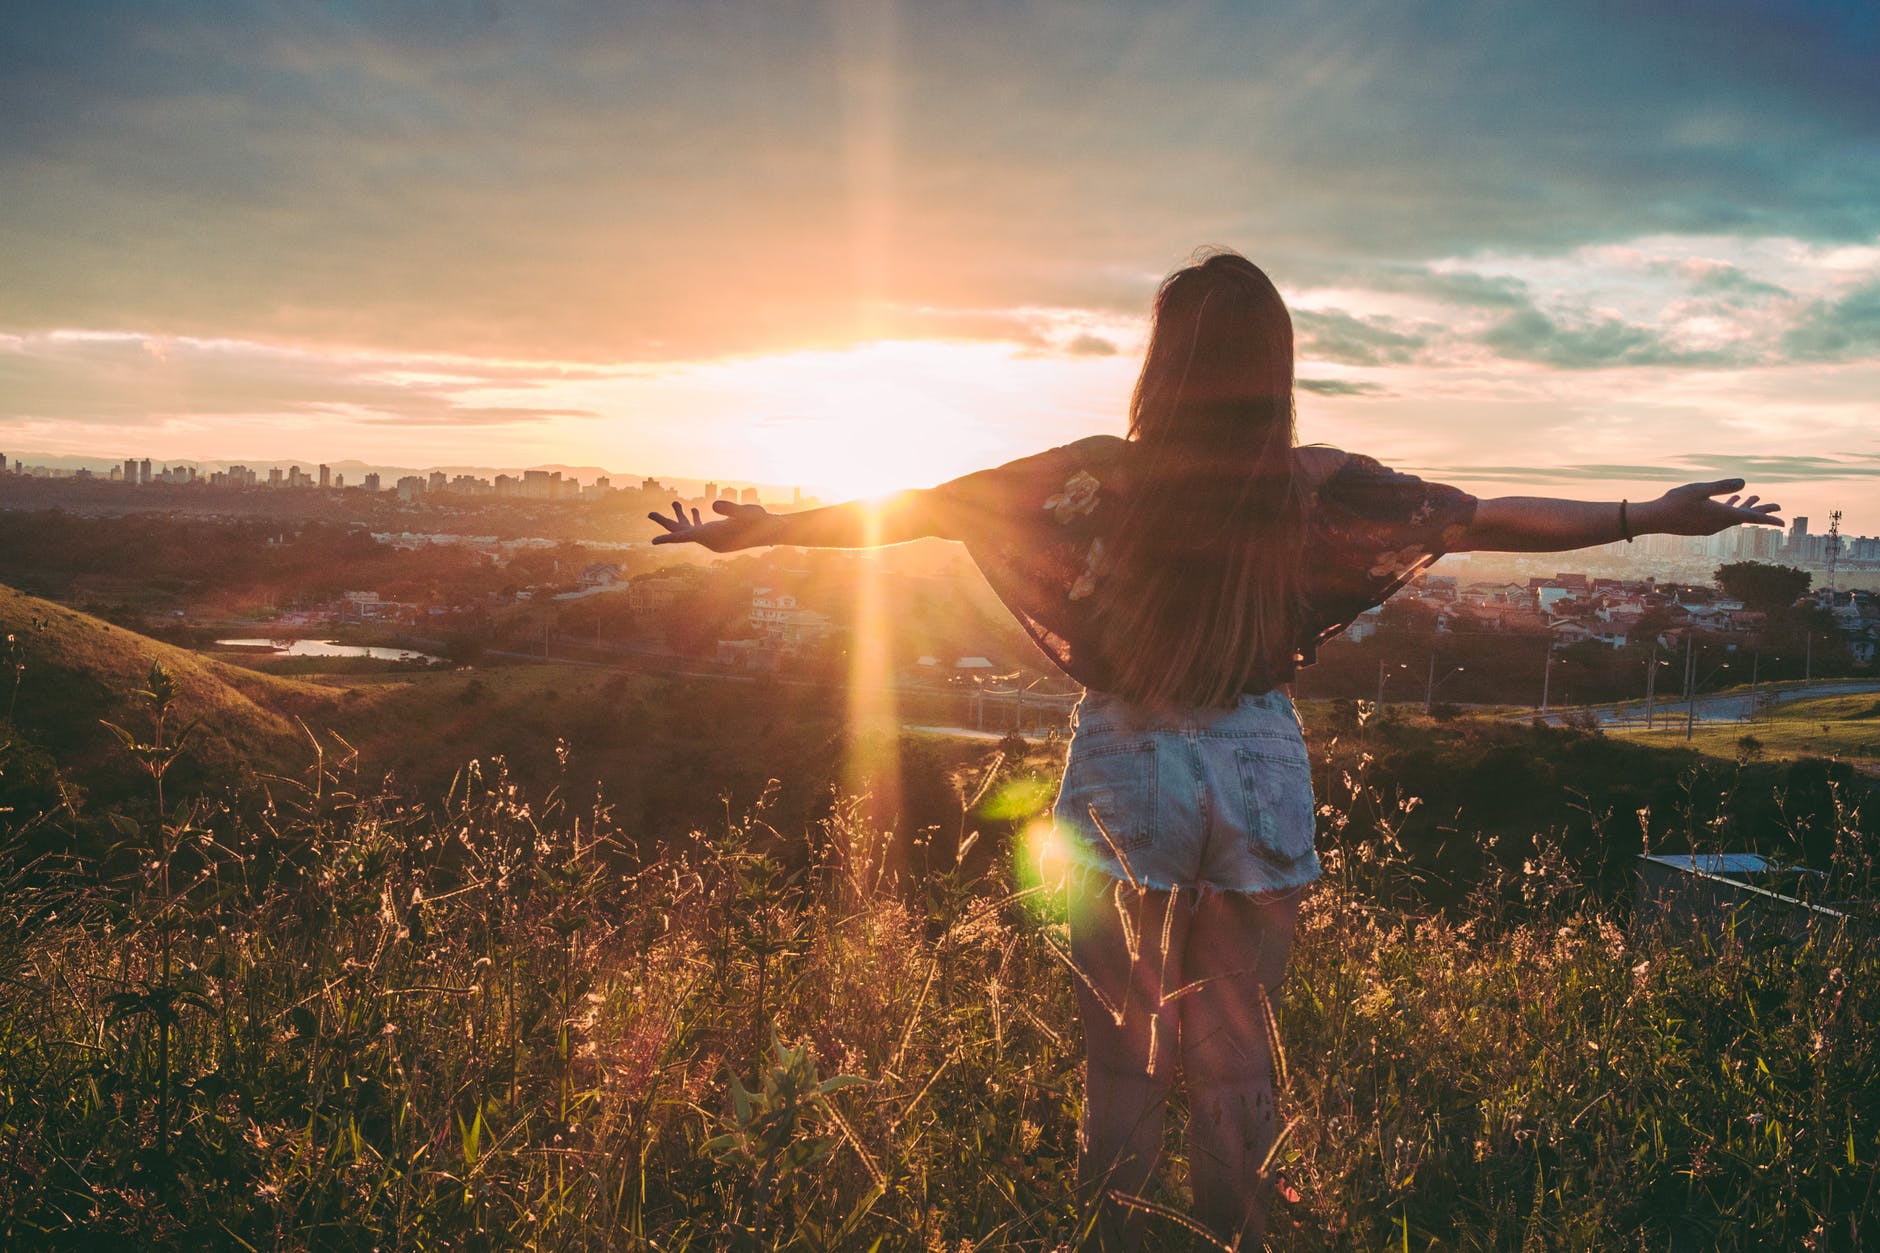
column 1732, row 706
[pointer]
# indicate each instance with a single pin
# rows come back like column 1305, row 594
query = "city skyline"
column 1795, row 543
column 1528, row 247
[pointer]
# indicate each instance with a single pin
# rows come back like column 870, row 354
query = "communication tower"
column 1834, row 550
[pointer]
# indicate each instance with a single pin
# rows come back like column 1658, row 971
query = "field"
column 1843, row 727
column 482, row 1030
column 317, row 1011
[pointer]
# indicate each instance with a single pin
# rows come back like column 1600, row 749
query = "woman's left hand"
column 1690, row 510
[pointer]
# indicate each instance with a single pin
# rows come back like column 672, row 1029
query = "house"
column 1550, row 592
column 784, row 625
column 600, row 574
column 1364, row 626
column 660, row 590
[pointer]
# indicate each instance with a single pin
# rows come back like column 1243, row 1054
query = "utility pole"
column 1380, row 686
column 1690, row 686
column 1651, row 684
column 1547, row 677
column 1429, row 687
column 1808, row 661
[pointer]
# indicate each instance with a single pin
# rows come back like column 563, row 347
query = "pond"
column 324, row 648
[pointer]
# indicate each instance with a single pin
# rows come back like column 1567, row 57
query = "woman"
column 1183, row 575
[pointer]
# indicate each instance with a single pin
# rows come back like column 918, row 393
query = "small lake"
column 323, row 648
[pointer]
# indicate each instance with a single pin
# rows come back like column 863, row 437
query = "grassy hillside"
column 470, row 1030
column 1843, row 727
column 64, row 671
column 666, row 754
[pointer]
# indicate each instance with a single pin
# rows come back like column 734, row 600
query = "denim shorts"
column 1190, row 796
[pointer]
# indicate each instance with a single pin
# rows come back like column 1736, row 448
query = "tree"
column 1762, row 586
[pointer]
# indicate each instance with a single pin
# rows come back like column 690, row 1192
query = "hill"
column 63, row 672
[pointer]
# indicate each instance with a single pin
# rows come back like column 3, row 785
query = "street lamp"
column 1377, row 711
column 1690, row 692
column 1430, row 686
column 1381, row 675
column 1651, row 684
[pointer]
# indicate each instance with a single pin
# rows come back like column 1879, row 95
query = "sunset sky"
column 1587, row 248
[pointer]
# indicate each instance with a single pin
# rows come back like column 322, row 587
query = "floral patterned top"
column 1036, row 529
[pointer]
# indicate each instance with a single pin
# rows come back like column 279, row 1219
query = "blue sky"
column 1588, row 247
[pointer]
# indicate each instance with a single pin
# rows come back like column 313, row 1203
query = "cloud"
column 1091, row 346
column 131, row 381
column 1338, row 387
column 667, row 181
column 1451, row 287
column 1334, row 335
column 1692, row 467
column 1846, row 329
column 1593, row 343
column 1723, row 279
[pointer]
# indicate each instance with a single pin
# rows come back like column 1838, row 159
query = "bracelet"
column 1625, row 527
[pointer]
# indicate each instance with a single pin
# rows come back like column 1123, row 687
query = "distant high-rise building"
column 326, row 477
column 143, row 470
column 711, row 491
column 796, row 497
column 748, row 496
column 274, row 476
column 339, row 482
column 130, row 469
column 410, row 488
column 372, row 482
column 439, row 480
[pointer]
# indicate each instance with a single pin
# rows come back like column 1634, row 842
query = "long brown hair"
column 1201, row 598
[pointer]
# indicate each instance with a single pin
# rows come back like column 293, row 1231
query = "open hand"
column 1690, row 510
column 741, row 526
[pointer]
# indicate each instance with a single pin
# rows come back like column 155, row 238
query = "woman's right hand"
column 741, row 526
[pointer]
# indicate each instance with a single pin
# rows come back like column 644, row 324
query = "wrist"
column 771, row 529
column 1645, row 517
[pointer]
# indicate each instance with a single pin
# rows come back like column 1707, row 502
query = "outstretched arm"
column 858, row 524
column 1548, row 524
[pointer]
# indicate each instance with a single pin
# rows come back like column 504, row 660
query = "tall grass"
column 335, row 1021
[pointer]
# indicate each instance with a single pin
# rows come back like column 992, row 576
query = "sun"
column 874, row 418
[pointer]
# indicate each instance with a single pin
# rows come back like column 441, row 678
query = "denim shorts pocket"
column 1278, row 790
column 1118, row 783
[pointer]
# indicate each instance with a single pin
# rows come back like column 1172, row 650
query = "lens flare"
column 872, row 770
column 1039, row 868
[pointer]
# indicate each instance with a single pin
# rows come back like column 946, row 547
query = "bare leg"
column 1127, row 945
column 1237, row 948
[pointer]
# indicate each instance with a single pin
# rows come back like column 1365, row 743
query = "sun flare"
column 885, row 415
